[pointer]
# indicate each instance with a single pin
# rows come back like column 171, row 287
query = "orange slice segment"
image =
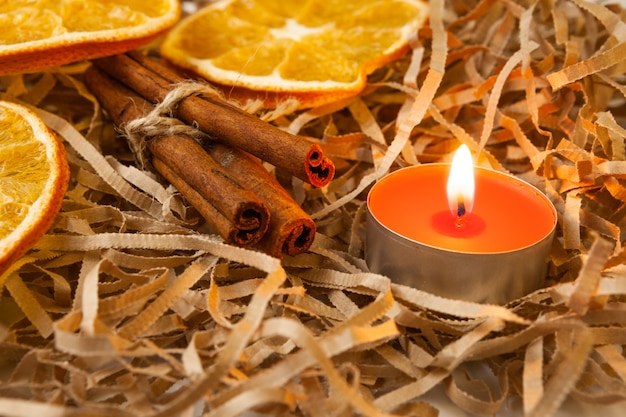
column 316, row 50
column 33, row 179
column 45, row 33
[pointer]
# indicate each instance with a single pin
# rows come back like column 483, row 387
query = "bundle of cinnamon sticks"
column 219, row 170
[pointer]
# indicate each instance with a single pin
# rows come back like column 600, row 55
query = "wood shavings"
column 131, row 306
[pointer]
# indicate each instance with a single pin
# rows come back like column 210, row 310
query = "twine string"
column 160, row 122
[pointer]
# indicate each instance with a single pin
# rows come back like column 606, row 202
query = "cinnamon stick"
column 233, row 210
column 221, row 225
column 179, row 158
column 291, row 230
column 222, row 121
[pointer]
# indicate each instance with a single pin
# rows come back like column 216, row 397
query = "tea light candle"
column 460, row 231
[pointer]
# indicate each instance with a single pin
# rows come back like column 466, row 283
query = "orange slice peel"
column 315, row 50
column 47, row 33
column 34, row 176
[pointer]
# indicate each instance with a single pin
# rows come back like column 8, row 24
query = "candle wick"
column 460, row 210
column 460, row 214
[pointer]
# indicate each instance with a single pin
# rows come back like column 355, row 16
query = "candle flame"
column 460, row 187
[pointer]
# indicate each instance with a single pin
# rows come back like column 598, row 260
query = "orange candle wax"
column 508, row 214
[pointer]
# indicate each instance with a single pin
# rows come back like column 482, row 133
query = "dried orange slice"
column 33, row 179
column 316, row 50
column 45, row 33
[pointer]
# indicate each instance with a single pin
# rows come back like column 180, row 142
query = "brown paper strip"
column 533, row 375
column 29, row 305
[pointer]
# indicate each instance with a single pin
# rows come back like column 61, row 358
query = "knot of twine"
column 159, row 122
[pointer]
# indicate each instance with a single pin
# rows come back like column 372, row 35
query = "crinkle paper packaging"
column 129, row 307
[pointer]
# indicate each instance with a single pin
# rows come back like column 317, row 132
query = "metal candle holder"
column 491, row 277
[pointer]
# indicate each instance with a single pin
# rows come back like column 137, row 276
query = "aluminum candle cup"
column 496, row 253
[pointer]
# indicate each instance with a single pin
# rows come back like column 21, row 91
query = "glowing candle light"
column 460, row 187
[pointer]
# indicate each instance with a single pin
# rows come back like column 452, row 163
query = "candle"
column 470, row 233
